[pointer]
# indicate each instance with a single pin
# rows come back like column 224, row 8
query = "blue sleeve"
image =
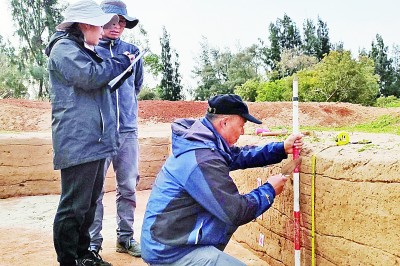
column 212, row 187
column 81, row 70
column 264, row 195
column 257, row 156
column 139, row 76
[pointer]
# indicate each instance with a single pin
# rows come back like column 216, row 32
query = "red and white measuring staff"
column 296, row 179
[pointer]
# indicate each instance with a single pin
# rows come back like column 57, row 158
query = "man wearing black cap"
column 195, row 207
column 125, row 163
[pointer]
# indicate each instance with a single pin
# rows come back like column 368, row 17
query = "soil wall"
column 26, row 166
column 356, row 190
column 356, row 186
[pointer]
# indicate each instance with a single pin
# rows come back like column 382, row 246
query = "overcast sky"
column 233, row 23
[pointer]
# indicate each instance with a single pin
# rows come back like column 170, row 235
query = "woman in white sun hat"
column 83, row 124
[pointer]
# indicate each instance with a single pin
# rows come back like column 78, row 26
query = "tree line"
column 261, row 72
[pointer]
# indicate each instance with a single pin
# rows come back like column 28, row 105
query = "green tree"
column 343, row 79
column 308, row 82
column 242, row 67
column 12, row 78
column 272, row 55
column 177, row 89
column 212, row 72
column 284, row 34
column 248, row 90
column 292, row 61
column 204, row 72
column 221, row 72
column 324, row 45
column 170, row 87
column 310, row 41
column 272, row 91
column 396, row 68
column 383, row 67
column 289, row 33
column 35, row 21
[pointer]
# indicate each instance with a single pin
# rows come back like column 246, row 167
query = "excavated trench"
column 354, row 188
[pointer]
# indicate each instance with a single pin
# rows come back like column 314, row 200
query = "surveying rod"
column 296, row 180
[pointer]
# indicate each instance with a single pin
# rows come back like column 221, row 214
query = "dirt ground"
column 29, row 219
column 24, row 115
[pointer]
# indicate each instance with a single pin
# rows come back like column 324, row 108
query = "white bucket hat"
column 88, row 12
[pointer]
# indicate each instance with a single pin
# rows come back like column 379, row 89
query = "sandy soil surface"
column 26, row 232
column 28, row 220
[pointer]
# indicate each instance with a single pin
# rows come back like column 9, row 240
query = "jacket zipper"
column 102, row 125
column 116, row 91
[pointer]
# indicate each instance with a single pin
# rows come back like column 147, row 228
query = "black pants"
column 81, row 186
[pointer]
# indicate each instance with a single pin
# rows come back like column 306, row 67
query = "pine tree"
column 310, row 40
column 170, row 87
column 289, row 33
column 273, row 55
column 383, row 67
column 324, row 46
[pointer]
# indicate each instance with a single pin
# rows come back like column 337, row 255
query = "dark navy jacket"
column 83, row 120
column 194, row 201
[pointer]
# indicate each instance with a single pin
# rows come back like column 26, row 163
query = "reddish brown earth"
column 25, row 115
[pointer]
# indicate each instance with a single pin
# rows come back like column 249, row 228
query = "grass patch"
column 384, row 124
column 390, row 101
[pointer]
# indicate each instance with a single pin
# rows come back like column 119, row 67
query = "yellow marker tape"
column 313, row 171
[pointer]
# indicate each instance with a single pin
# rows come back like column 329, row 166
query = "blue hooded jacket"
column 124, row 99
column 194, row 201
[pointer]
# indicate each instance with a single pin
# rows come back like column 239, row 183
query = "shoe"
column 94, row 248
column 132, row 247
column 92, row 259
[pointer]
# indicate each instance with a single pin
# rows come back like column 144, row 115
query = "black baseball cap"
column 230, row 104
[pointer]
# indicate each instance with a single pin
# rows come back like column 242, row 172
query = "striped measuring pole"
column 296, row 180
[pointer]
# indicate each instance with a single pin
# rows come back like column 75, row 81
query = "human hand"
column 277, row 182
column 131, row 56
column 294, row 140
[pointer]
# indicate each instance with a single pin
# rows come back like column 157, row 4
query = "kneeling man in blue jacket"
column 195, row 207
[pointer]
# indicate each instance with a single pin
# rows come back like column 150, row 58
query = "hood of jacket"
column 58, row 35
column 190, row 134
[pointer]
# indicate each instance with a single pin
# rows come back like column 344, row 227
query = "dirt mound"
column 26, row 115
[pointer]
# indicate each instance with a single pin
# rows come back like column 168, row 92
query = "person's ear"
column 225, row 121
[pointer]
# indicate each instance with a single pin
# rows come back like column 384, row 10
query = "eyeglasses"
column 122, row 22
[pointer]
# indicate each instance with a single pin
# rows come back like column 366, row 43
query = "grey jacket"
column 83, row 120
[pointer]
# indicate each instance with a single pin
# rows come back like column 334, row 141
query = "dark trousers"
column 81, row 186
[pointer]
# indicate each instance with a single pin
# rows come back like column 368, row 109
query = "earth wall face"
column 26, row 164
column 357, row 196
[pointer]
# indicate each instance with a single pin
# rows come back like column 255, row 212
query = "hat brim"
column 251, row 118
column 131, row 22
column 105, row 20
